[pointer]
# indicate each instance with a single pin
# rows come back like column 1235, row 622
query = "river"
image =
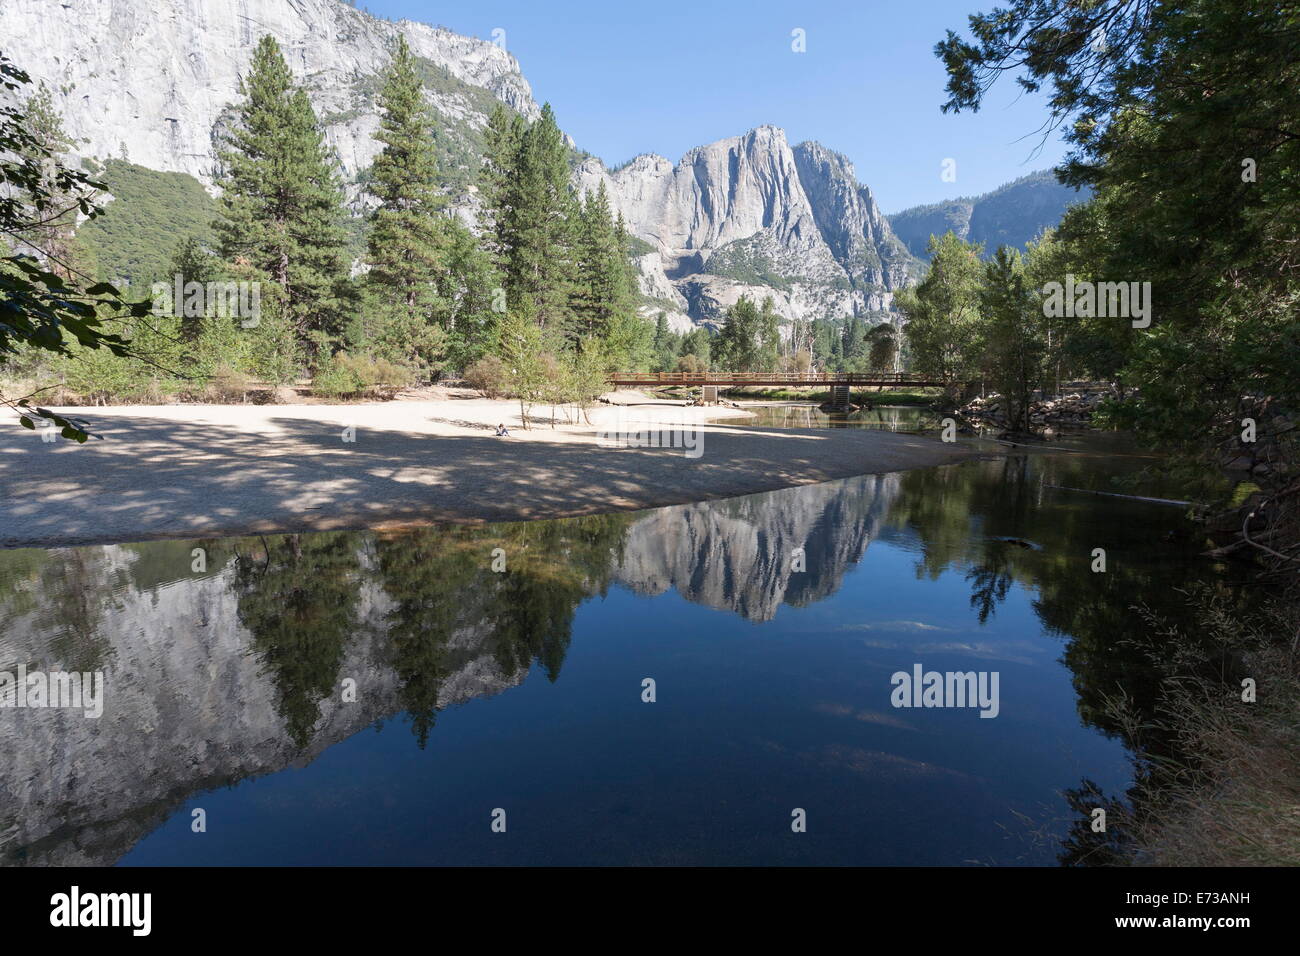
column 402, row 697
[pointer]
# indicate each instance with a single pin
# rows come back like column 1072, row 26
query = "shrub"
column 347, row 376
column 488, row 375
column 228, row 385
column 691, row 363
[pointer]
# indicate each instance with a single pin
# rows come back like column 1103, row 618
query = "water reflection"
column 240, row 670
column 911, row 419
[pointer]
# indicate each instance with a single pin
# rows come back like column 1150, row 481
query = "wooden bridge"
column 728, row 379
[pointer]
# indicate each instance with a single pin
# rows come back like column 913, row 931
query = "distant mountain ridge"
column 753, row 216
column 1013, row 214
column 151, row 85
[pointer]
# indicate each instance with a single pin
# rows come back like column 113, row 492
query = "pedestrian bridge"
column 790, row 379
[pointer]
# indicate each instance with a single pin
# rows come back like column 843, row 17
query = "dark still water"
column 771, row 626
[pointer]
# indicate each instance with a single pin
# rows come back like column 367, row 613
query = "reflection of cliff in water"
column 239, row 670
column 217, row 676
column 739, row 554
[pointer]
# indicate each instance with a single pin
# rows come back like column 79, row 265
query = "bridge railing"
column 764, row 378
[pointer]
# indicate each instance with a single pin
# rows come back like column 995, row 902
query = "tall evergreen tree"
column 665, row 346
column 469, row 290
column 51, row 235
column 1012, row 335
column 749, row 340
column 497, row 182
column 533, row 212
column 410, row 237
column 943, row 312
column 282, row 204
column 596, row 293
column 192, row 261
column 604, row 295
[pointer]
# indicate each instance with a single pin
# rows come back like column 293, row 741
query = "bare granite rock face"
column 153, row 80
column 753, row 216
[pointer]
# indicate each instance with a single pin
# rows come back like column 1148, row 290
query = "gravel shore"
column 189, row 471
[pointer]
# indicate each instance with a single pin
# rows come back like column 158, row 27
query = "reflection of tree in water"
column 990, row 581
column 431, row 580
column 1084, row 846
column 67, row 591
column 298, row 597
column 962, row 518
column 441, row 579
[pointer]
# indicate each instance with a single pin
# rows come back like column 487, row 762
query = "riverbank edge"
column 144, row 485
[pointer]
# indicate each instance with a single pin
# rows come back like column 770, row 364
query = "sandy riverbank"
column 187, row 471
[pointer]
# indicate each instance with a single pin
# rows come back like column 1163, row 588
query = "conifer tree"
column 469, row 288
column 51, row 234
column 282, row 204
column 502, row 139
column 602, row 295
column 532, row 209
column 411, row 235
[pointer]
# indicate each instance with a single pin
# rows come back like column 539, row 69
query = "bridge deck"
column 825, row 379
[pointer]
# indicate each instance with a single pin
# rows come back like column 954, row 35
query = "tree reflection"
column 298, row 599
column 1003, row 524
column 442, row 580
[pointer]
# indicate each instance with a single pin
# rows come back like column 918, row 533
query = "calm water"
column 478, row 689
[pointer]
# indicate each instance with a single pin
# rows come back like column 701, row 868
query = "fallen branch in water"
column 1255, row 544
column 1112, row 494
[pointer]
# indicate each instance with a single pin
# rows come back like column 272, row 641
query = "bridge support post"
column 839, row 400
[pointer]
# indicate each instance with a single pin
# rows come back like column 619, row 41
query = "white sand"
column 185, row 471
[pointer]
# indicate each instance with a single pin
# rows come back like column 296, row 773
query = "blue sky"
column 627, row 78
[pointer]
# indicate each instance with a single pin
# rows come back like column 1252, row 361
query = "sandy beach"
column 188, row 471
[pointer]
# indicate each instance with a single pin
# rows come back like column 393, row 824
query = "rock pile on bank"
column 1072, row 410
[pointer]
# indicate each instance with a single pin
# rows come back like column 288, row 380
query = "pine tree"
column 533, row 213
column 603, row 299
column 665, row 345
column 749, row 340
column 498, row 182
column 282, row 204
column 52, row 232
column 410, row 238
column 631, row 336
column 192, row 262
column 469, row 289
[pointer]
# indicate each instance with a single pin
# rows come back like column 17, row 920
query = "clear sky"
column 627, row 78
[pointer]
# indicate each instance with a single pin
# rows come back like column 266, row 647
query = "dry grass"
column 1235, row 798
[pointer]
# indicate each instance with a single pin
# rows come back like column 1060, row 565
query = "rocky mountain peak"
column 155, row 82
column 751, row 215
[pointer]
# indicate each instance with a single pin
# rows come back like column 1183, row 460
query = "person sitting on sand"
column 502, row 431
